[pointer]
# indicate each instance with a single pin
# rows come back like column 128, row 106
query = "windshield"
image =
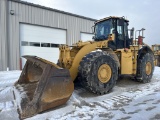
column 102, row 30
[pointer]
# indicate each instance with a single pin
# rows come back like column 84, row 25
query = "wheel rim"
column 148, row 68
column 104, row 73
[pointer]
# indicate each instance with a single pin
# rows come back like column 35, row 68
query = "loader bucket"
column 42, row 85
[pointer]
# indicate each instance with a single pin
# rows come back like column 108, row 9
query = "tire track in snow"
column 116, row 102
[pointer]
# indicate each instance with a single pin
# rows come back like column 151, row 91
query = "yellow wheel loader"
column 96, row 64
column 156, row 50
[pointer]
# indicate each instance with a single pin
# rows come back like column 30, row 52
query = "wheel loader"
column 156, row 50
column 96, row 64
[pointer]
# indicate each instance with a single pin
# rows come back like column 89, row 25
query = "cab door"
column 122, row 40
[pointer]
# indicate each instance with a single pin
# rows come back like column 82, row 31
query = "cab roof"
column 110, row 17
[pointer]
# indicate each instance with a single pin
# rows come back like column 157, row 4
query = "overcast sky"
column 140, row 13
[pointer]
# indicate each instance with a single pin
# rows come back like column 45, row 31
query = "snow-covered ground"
column 128, row 100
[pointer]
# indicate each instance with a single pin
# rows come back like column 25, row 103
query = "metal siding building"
column 16, row 12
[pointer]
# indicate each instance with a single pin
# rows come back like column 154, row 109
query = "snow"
column 128, row 100
column 7, row 78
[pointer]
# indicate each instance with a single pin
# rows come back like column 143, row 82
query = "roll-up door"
column 86, row 37
column 41, row 41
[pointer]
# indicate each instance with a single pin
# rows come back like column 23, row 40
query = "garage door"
column 86, row 36
column 41, row 41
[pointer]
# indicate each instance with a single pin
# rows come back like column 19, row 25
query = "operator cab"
column 117, row 26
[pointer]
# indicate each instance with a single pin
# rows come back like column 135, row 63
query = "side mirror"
column 132, row 33
column 93, row 29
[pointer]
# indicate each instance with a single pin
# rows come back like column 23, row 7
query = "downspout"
column 7, row 34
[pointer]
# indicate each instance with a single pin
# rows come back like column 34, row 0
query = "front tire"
column 158, row 61
column 145, row 68
column 98, row 72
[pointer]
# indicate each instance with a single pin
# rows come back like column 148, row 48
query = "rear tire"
column 158, row 61
column 98, row 72
column 145, row 68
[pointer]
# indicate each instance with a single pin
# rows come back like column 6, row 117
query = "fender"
column 83, row 52
column 113, row 54
column 77, row 59
column 143, row 50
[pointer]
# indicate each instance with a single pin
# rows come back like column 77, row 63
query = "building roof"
column 55, row 10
